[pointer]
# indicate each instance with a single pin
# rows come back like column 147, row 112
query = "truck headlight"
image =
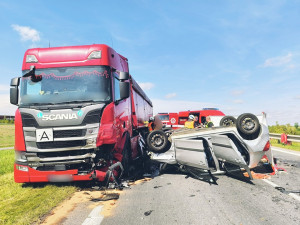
column 22, row 168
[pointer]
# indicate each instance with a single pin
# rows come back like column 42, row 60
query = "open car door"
column 226, row 151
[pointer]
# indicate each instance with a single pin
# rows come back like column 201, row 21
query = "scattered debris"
column 282, row 190
column 148, row 212
column 107, row 197
column 257, row 175
column 157, row 186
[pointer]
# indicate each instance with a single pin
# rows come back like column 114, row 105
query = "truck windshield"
column 67, row 85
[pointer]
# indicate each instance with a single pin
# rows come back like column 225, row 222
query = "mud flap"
column 226, row 151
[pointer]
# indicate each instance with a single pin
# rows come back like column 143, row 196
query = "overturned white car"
column 241, row 142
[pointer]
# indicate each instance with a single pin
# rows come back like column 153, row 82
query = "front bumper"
column 32, row 175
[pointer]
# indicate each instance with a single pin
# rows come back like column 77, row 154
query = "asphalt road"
column 175, row 199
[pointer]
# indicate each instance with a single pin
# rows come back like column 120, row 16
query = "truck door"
column 226, row 151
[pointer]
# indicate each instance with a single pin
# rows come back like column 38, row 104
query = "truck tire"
column 248, row 124
column 157, row 141
column 127, row 157
column 227, row 121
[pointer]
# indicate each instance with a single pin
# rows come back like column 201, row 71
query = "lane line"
column 6, row 148
column 94, row 218
column 293, row 195
column 287, row 152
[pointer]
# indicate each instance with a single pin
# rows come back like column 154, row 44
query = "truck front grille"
column 60, row 144
column 69, row 133
column 28, row 120
column 44, row 155
column 92, row 117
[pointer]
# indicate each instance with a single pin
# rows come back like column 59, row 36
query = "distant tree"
column 296, row 125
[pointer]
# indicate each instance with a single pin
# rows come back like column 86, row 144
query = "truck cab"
column 79, row 113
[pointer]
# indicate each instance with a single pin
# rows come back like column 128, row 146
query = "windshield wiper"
column 78, row 102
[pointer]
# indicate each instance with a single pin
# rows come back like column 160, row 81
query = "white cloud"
column 27, row 33
column 298, row 97
column 5, row 107
column 238, row 101
column 237, row 92
column 279, row 61
column 171, row 95
column 146, row 86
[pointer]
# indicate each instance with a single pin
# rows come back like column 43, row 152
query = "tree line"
column 287, row 129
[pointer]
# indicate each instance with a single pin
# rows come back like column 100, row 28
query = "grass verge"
column 7, row 135
column 26, row 203
column 294, row 145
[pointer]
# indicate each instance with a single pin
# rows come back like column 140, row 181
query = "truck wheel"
column 126, row 160
column 247, row 124
column 227, row 121
column 157, row 141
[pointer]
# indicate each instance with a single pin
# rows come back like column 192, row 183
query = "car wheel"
column 247, row 124
column 227, row 121
column 157, row 141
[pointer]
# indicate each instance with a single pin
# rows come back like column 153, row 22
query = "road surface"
column 175, row 199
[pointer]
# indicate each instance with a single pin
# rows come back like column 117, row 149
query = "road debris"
column 283, row 190
column 148, row 212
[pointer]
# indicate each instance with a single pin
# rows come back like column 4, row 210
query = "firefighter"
column 151, row 125
column 190, row 123
column 208, row 122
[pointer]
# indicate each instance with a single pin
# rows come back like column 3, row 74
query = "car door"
column 191, row 152
column 226, row 151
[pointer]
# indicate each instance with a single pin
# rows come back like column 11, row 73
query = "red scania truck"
column 80, row 115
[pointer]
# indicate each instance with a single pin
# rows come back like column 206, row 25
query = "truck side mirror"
column 124, row 90
column 14, row 90
column 124, row 76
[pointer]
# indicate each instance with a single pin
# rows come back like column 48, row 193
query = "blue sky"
column 239, row 56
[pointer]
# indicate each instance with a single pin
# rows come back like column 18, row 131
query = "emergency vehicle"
column 177, row 120
column 80, row 115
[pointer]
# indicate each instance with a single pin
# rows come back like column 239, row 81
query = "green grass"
column 294, row 145
column 7, row 135
column 26, row 203
column 7, row 158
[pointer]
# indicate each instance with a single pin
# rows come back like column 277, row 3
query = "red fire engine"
column 177, row 120
column 80, row 115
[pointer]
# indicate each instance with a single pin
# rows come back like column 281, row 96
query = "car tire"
column 157, row 141
column 247, row 124
column 227, row 121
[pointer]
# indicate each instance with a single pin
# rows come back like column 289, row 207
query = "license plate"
column 44, row 135
column 60, row 178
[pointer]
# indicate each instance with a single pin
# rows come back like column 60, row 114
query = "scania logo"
column 40, row 115
column 60, row 116
column 80, row 113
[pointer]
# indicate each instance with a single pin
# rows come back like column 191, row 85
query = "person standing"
column 208, row 122
column 190, row 123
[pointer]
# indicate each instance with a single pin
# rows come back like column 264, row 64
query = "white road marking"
column 283, row 151
column 94, row 218
column 293, row 195
column 7, row 148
